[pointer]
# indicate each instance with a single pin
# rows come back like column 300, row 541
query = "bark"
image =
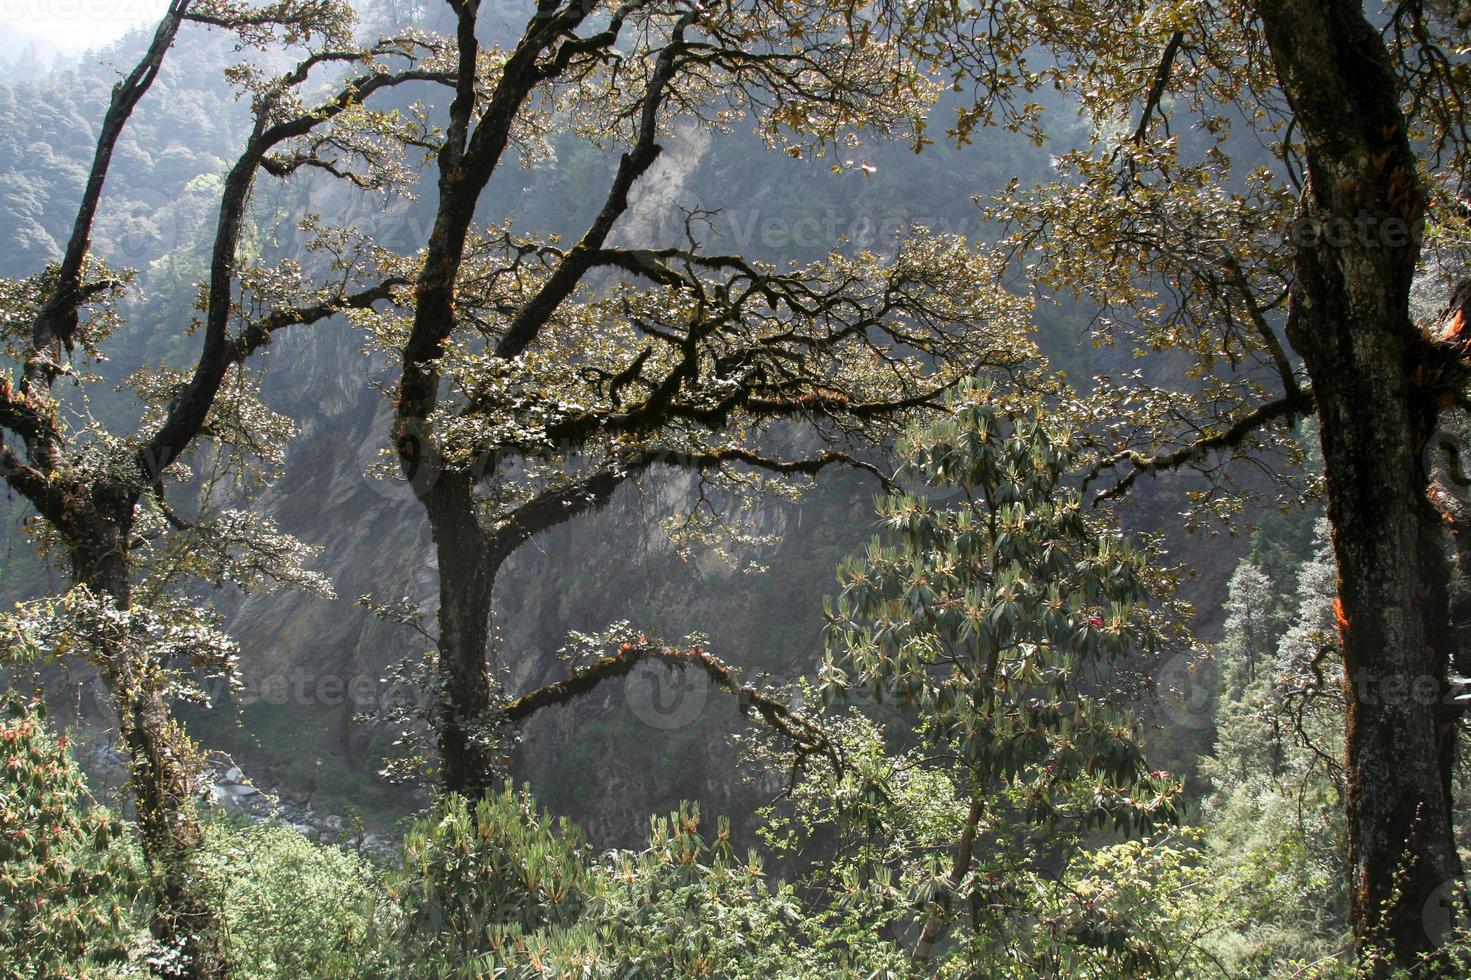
column 470, row 558
column 935, row 923
column 466, row 576
column 468, row 760
column 160, row 776
column 468, row 564
column 1350, row 322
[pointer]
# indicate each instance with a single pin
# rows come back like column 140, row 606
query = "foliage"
column 175, row 639
column 481, row 875
column 994, row 618
column 292, row 908
column 975, row 818
column 71, row 887
column 1040, row 904
column 995, row 612
column 1275, row 809
column 1177, row 216
column 501, row 886
column 688, row 905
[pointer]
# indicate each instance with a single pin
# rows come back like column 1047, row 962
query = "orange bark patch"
column 1340, row 618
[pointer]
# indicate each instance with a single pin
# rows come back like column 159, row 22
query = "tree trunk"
column 468, row 758
column 1401, row 844
column 159, row 774
column 934, row 926
column 1358, row 245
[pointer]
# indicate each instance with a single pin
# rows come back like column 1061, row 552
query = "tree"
column 1276, row 242
column 103, row 496
column 1250, row 627
column 536, row 379
column 1274, row 807
column 995, row 616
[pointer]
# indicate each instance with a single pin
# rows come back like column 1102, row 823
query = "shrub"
column 479, row 876
column 291, row 908
column 68, row 876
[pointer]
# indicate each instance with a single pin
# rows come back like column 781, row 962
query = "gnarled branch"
column 806, row 736
column 1288, row 407
column 57, row 320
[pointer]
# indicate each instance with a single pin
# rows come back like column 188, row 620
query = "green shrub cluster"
column 70, row 879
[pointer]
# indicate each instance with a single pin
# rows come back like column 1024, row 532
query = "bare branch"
column 806, row 736
column 1157, row 87
column 56, row 323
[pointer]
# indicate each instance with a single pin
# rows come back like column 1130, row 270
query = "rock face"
column 232, row 794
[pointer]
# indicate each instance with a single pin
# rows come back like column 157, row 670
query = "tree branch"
column 527, row 323
column 1287, row 408
column 186, row 416
column 1157, row 88
column 466, row 162
column 57, row 320
column 591, row 493
column 804, row 734
column 259, row 332
column 48, row 496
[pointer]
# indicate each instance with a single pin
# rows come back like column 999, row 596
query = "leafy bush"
column 498, row 888
column 291, row 908
column 68, row 876
column 480, row 876
column 690, row 907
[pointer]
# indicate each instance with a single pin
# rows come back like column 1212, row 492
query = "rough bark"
column 473, row 146
column 1360, row 216
column 468, row 763
column 470, row 558
column 466, row 161
column 160, row 775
